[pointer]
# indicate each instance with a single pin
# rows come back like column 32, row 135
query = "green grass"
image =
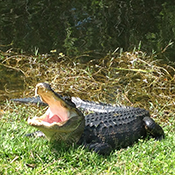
column 26, row 155
column 128, row 78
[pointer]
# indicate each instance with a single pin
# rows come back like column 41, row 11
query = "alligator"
column 107, row 128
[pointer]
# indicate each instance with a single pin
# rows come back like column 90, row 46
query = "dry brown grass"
column 129, row 78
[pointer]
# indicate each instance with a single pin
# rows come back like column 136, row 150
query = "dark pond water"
column 11, row 83
column 73, row 27
column 79, row 26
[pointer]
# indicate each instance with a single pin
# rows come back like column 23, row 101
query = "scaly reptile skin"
column 113, row 127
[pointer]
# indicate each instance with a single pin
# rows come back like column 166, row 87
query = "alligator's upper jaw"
column 57, row 113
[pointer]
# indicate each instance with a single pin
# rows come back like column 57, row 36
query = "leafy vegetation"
column 85, row 25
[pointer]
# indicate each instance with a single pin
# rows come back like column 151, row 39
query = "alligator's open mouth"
column 62, row 121
column 57, row 113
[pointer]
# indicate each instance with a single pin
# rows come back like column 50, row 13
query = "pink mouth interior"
column 52, row 119
column 55, row 113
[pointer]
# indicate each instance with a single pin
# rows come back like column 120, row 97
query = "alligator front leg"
column 100, row 148
column 153, row 128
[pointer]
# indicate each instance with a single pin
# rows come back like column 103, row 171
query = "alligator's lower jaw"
column 52, row 116
column 38, row 122
column 49, row 129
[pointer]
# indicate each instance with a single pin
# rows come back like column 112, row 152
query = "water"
column 76, row 27
column 11, row 83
